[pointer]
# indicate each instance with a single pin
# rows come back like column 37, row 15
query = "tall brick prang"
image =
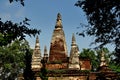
column 58, row 47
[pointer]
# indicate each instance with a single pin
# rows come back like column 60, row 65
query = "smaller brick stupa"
column 74, row 55
column 103, row 60
column 104, row 72
column 103, row 67
column 36, row 57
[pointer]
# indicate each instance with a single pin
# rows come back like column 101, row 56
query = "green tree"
column 104, row 22
column 112, row 64
column 14, row 49
column 12, row 59
column 10, row 31
column 28, row 74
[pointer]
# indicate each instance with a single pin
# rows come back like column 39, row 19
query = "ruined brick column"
column 58, row 48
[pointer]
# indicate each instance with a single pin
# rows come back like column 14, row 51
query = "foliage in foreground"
column 104, row 22
column 12, row 58
column 10, row 31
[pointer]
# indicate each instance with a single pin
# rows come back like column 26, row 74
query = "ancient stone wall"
column 92, row 76
column 56, row 66
column 68, row 78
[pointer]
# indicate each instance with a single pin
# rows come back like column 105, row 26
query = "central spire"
column 37, row 45
column 58, row 47
column 58, row 21
column 73, row 40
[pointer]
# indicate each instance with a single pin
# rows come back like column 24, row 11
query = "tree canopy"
column 104, row 22
column 12, row 59
column 15, row 53
column 104, row 19
column 9, row 31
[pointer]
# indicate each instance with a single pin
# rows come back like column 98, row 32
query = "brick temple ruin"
column 60, row 66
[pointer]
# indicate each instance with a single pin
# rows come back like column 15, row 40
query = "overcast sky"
column 42, row 14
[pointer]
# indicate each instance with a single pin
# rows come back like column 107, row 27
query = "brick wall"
column 56, row 66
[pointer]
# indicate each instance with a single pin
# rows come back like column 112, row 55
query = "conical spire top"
column 45, row 49
column 37, row 45
column 45, row 52
column 73, row 40
column 58, row 16
column 58, row 21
